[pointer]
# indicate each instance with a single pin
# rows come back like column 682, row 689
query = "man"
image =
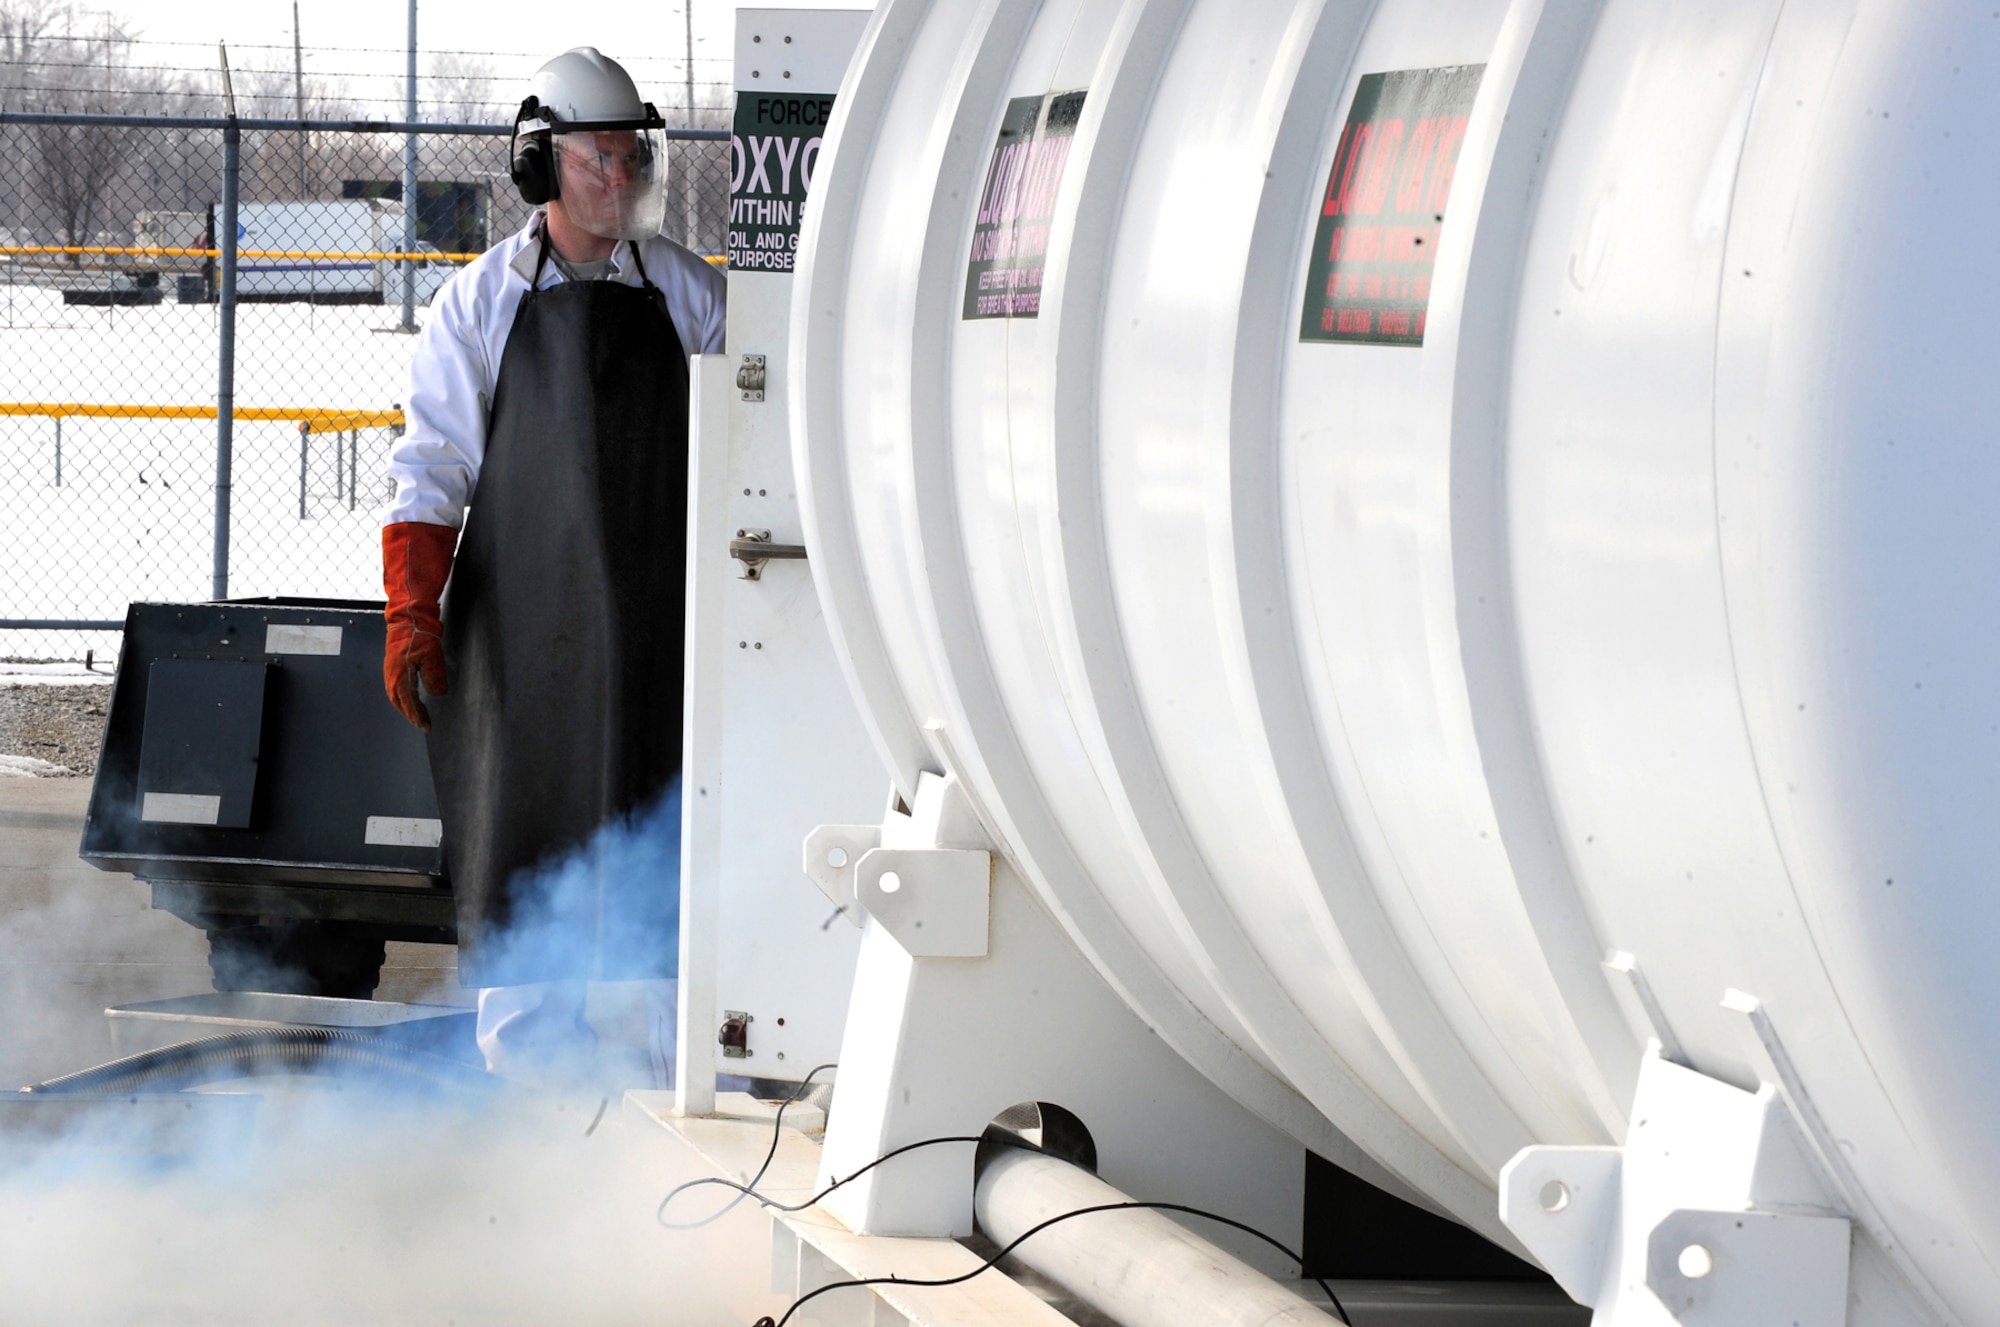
column 549, row 393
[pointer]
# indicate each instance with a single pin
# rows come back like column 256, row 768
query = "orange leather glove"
column 416, row 560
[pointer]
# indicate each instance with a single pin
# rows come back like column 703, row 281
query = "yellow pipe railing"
column 129, row 251
column 132, row 251
column 316, row 419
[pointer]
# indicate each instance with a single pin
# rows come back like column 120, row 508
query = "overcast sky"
column 357, row 41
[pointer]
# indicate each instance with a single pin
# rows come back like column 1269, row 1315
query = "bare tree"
column 70, row 166
column 272, row 158
column 73, row 165
column 463, row 89
column 23, row 26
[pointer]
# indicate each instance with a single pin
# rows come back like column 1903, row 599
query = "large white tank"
column 1351, row 668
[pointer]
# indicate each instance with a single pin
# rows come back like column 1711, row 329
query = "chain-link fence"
column 118, row 481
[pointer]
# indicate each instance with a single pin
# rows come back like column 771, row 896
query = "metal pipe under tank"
column 1138, row 1267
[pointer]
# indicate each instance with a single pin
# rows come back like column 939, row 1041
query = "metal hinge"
column 734, row 1035
column 753, row 548
column 750, row 378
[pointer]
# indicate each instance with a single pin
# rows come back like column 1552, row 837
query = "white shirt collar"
column 522, row 264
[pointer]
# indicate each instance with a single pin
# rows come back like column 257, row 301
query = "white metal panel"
column 794, row 753
column 796, row 51
column 775, row 746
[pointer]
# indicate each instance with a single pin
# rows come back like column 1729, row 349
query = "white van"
column 324, row 252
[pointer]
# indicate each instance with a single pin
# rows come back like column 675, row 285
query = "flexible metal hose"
column 299, row 1050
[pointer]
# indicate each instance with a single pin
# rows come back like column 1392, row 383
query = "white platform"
column 813, row 1247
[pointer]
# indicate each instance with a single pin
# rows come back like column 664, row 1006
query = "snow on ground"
column 133, row 515
column 27, row 767
column 64, row 673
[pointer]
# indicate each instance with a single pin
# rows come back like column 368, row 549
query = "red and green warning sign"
column 1376, row 244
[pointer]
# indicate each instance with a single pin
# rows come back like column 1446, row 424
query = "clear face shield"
column 614, row 181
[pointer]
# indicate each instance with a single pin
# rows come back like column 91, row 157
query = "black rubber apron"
column 563, row 641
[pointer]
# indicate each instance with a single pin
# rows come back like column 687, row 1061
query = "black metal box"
column 252, row 766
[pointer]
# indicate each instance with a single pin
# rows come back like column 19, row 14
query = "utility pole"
column 410, row 182
column 688, row 198
column 299, row 96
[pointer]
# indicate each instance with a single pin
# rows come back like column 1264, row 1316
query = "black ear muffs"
column 531, row 159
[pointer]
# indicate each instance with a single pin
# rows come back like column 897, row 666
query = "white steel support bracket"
column 934, row 901
column 1712, row 1213
column 832, row 852
column 986, row 1005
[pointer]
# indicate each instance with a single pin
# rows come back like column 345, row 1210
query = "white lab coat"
column 536, row 1033
column 450, row 395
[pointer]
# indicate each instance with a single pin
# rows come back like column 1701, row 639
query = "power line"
column 102, row 98
column 205, row 72
column 82, row 38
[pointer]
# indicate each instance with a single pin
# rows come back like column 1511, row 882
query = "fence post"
column 225, row 385
column 410, row 184
column 59, row 419
column 305, row 434
column 353, row 468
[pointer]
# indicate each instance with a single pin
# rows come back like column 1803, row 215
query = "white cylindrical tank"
column 1382, row 504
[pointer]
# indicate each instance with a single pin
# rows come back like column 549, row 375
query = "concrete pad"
column 75, row 940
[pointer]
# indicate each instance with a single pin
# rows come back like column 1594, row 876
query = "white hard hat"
column 585, row 89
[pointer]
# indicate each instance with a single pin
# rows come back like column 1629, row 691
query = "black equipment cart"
column 254, row 774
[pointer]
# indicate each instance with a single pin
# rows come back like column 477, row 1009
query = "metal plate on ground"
column 151, row 1024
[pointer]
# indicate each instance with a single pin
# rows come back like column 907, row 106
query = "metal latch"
column 753, row 548
column 734, row 1035
column 750, row 378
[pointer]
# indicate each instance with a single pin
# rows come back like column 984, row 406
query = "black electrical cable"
column 777, row 1126
column 749, row 1190
column 1016, row 1243
column 771, row 1204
